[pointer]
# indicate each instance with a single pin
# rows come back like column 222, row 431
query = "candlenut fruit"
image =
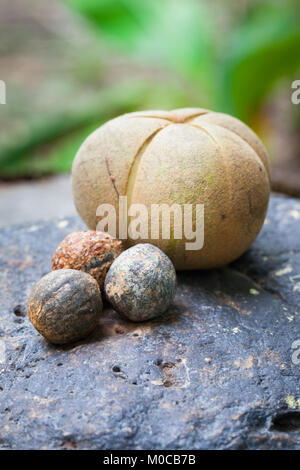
column 187, row 156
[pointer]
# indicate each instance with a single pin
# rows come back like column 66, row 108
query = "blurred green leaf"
column 121, row 21
column 234, row 71
column 50, row 145
column 42, row 134
column 181, row 37
column 229, row 65
column 173, row 34
column 259, row 51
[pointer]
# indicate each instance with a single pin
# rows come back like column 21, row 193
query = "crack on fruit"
column 193, row 116
column 206, row 132
column 136, row 162
column 247, row 143
column 228, row 181
column 225, row 163
column 154, row 117
column 171, row 119
column 111, row 177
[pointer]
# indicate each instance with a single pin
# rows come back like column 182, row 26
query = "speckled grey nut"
column 141, row 282
column 65, row 305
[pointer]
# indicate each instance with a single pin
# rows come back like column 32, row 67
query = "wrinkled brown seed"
column 65, row 305
column 89, row 251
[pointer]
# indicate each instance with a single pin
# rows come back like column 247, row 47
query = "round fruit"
column 89, row 251
column 187, row 156
column 65, row 305
column 141, row 283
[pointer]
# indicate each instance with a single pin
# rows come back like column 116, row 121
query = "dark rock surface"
column 217, row 372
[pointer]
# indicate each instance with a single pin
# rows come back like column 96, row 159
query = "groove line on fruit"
column 136, row 162
column 225, row 162
column 245, row 141
column 205, row 132
column 171, row 121
column 193, row 116
column 229, row 185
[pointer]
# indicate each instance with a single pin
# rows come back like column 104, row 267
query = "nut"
column 141, row 283
column 65, row 305
column 89, row 251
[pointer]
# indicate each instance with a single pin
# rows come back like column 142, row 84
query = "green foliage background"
column 225, row 58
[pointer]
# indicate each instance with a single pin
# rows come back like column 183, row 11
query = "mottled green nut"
column 141, row 283
column 65, row 305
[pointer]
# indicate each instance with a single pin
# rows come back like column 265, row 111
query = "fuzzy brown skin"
column 186, row 156
column 141, row 283
column 65, row 306
column 89, row 251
